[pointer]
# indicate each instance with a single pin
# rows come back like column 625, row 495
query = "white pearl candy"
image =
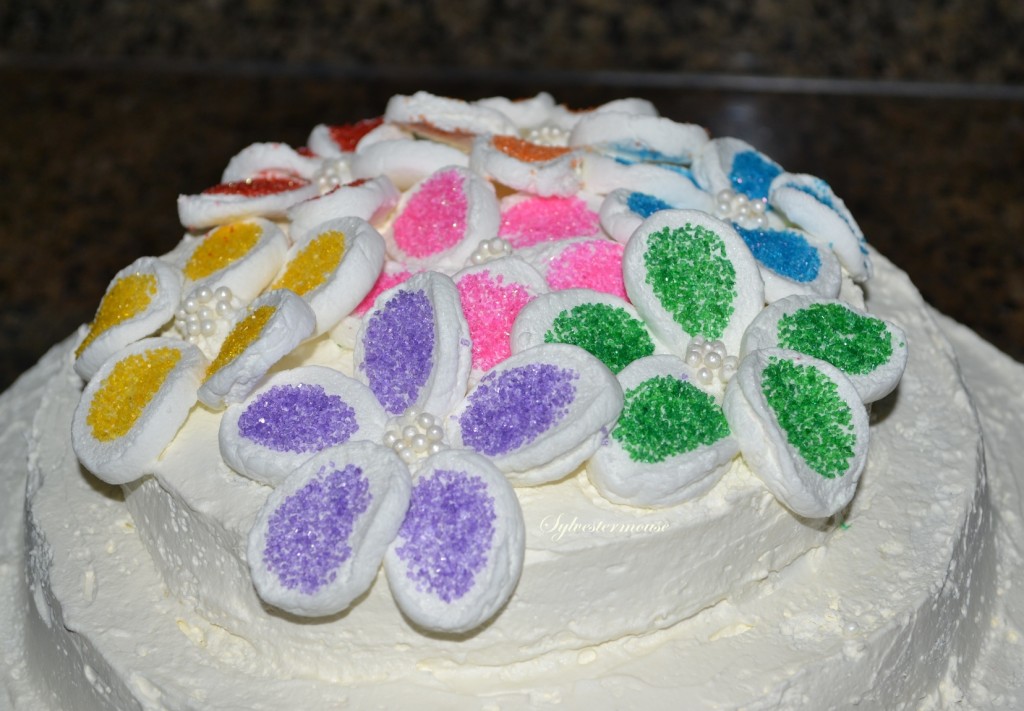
column 414, row 434
column 737, row 207
column 489, row 249
column 710, row 359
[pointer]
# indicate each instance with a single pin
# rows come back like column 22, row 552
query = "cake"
column 497, row 404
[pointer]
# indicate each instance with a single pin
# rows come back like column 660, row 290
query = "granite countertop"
column 92, row 162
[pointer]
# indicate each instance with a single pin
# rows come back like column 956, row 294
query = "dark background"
column 912, row 111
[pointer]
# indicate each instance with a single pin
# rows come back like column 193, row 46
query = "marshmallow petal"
column 337, row 140
column 318, row 542
column 272, row 327
column 791, row 262
column 294, row 415
column 546, row 171
column 139, row 300
column 732, row 164
column 134, row 406
column 801, row 428
column 243, row 256
column 539, row 414
column 255, row 197
column 333, row 267
column 672, row 184
column 262, row 159
column 493, row 294
column 445, row 119
column 413, row 348
column 371, row 200
column 459, row 553
column 870, row 351
column 605, row 326
column 809, row 202
column 528, row 220
column 582, row 263
column 405, row 161
column 524, row 113
column 651, row 139
column 689, row 274
column 442, row 219
column 672, row 442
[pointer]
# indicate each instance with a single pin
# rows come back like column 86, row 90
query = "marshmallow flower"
column 459, row 553
column 801, row 427
column 319, row 539
column 134, row 406
column 269, row 197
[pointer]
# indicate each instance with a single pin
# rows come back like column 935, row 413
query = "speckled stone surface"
column 928, row 40
column 92, row 163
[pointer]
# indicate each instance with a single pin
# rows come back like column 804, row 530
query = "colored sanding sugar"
column 491, row 307
column 785, row 252
column 510, row 409
column 594, row 264
column 398, row 350
column 646, row 205
column 853, row 343
column 536, row 220
column 607, row 332
column 447, row 533
column 691, row 275
column 664, row 417
column 308, row 534
column 752, row 174
column 434, row 219
column 817, row 421
column 298, row 418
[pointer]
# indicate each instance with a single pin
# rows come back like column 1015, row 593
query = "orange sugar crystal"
column 312, row 266
column 131, row 386
column 527, row 151
column 126, row 298
column 221, row 248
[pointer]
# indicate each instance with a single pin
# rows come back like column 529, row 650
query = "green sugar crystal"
column 692, row 277
column 818, row 423
column 853, row 343
column 607, row 332
column 664, row 417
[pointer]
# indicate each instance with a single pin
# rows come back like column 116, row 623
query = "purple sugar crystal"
column 447, row 533
column 298, row 418
column 512, row 408
column 398, row 350
column 308, row 534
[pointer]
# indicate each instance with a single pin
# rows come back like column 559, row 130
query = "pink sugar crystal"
column 595, row 264
column 491, row 307
column 434, row 219
column 537, row 220
column 384, row 282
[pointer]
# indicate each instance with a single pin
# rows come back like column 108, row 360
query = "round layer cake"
column 724, row 598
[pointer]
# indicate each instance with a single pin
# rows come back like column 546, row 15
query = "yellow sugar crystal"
column 314, row 264
column 243, row 335
column 222, row 247
column 126, row 298
column 124, row 394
